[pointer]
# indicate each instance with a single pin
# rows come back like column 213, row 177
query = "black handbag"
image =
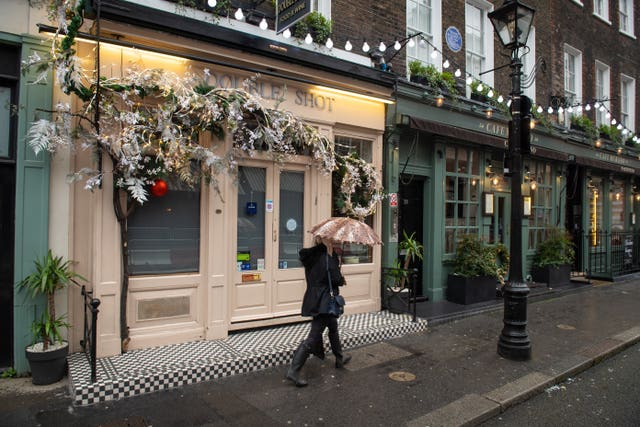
column 336, row 302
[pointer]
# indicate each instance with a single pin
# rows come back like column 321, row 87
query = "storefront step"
column 162, row 368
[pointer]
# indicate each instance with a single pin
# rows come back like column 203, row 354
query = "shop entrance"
column 272, row 205
column 411, row 218
column 8, row 127
column 500, row 220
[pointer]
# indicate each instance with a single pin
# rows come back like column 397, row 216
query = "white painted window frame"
column 630, row 18
column 487, row 40
column 434, row 38
column 630, row 83
column 604, row 13
column 577, row 95
column 606, row 92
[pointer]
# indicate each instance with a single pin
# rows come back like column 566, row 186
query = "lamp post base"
column 514, row 343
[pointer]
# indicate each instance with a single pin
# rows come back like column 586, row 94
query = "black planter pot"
column 552, row 276
column 469, row 290
column 47, row 367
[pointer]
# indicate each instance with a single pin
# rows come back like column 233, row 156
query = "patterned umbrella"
column 346, row 230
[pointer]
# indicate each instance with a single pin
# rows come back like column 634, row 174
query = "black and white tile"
column 161, row 368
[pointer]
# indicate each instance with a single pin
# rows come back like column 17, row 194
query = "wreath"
column 357, row 187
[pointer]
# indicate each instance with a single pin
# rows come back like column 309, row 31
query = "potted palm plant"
column 553, row 258
column 47, row 355
column 478, row 270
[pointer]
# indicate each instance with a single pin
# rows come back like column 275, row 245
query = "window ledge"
column 579, row 3
column 630, row 35
column 602, row 18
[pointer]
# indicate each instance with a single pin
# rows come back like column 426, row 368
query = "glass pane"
column 164, row 233
column 463, row 189
column 450, row 182
column 5, row 119
column 251, row 228
column 473, row 215
column 450, row 213
column 462, row 161
column 449, row 241
column 450, row 154
column 291, row 228
column 475, row 163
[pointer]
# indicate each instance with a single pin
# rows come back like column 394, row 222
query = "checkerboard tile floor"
column 161, row 368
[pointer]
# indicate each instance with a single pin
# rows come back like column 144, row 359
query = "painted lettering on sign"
column 313, row 100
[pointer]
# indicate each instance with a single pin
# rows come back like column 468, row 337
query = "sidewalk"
column 447, row 375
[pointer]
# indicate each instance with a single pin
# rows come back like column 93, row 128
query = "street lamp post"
column 512, row 22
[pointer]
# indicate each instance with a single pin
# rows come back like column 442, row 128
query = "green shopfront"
column 444, row 169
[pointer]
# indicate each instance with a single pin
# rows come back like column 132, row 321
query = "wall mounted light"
column 619, row 150
column 439, row 100
column 488, row 112
column 598, row 143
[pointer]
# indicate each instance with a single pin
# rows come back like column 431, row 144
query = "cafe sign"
column 288, row 12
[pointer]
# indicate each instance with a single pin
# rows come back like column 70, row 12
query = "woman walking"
column 319, row 262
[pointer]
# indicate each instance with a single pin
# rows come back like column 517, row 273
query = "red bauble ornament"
column 159, row 187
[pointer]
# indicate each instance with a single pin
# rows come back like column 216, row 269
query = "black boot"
column 299, row 357
column 336, row 348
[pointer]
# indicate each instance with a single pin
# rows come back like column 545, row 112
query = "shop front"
column 450, row 160
column 204, row 260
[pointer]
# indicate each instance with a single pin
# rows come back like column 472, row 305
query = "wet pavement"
column 448, row 374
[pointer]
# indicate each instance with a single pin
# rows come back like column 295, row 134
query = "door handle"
column 275, row 234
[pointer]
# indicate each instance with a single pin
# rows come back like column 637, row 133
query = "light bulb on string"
column 422, row 43
column 579, row 108
column 596, row 105
column 263, row 24
column 286, row 34
column 625, row 131
column 601, row 108
column 365, row 47
column 613, row 121
column 570, row 109
column 469, row 80
column 619, row 126
column 212, row 3
column 539, row 109
column 308, row 39
column 382, row 47
column 458, row 73
column 411, row 43
column 608, row 115
column 445, row 64
column 434, row 54
column 500, row 99
column 509, row 102
column 479, row 87
column 490, row 93
column 239, row 15
column 348, row 46
column 329, row 43
column 550, row 110
column 560, row 110
column 587, row 107
column 635, row 138
column 397, row 45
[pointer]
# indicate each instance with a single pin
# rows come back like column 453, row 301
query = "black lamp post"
column 512, row 22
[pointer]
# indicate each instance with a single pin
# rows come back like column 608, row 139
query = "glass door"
column 500, row 221
column 270, row 231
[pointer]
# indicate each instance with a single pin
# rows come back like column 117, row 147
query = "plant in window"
column 315, row 24
column 611, row 133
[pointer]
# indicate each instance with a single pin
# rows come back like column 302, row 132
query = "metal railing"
column 90, row 335
column 399, row 296
column 611, row 254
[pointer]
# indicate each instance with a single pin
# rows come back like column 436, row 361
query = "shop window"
column 345, row 145
column 462, row 194
column 538, row 183
column 595, row 188
column 617, row 206
column 291, row 231
column 164, row 233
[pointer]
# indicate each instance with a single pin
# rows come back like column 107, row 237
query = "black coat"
column 316, row 297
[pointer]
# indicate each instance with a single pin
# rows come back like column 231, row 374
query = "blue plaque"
column 454, row 39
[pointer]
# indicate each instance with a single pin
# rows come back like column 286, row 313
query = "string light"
column 397, row 45
column 458, row 73
column 446, row 64
column 239, row 15
column 308, row 39
column 348, row 46
column 287, row 33
column 329, row 43
column 411, row 43
column 382, row 47
column 365, row 47
column 212, row 3
column 263, row 24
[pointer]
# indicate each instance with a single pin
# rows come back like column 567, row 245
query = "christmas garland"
column 359, row 187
